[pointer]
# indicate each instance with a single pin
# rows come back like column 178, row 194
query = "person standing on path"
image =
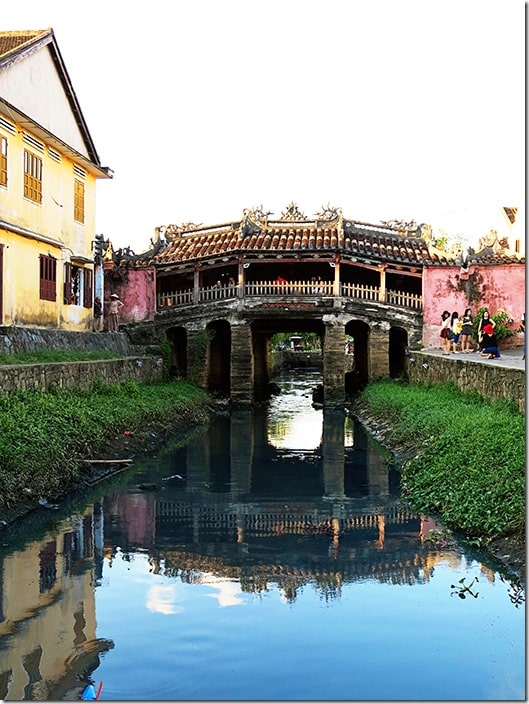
column 485, row 320
column 466, row 331
column 456, row 329
column 522, row 328
column 113, row 313
column 445, row 328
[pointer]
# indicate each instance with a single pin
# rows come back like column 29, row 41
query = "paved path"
column 511, row 359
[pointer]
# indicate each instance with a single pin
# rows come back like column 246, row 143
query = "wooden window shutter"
column 88, row 286
column 67, row 283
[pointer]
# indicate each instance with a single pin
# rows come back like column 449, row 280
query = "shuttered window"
column 78, row 201
column 88, row 288
column 32, row 177
column 68, row 294
column 3, row 161
column 48, row 278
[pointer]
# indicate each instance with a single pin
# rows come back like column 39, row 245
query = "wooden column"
column 196, row 285
column 336, row 284
column 333, row 364
column 382, row 292
column 240, row 279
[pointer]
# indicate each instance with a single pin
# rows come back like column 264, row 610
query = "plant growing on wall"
column 167, row 355
column 197, row 350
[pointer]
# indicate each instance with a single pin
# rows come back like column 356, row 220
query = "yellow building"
column 48, row 173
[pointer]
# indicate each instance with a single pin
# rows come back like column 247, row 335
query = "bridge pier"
column 242, row 364
column 378, row 353
column 333, row 364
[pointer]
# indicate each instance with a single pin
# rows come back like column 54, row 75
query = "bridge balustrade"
column 290, row 288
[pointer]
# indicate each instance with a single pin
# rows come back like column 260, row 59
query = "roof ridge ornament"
column 292, row 212
column 328, row 214
column 256, row 214
column 172, row 232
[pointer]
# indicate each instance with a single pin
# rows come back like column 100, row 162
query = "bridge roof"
column 398, row 243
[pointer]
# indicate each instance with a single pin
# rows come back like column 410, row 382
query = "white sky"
column 388, row 109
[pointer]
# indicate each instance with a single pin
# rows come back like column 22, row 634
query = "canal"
column 266, row 557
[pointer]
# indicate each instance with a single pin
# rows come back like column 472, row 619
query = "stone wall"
column 14, row 340
column 490, row 381
column 65, row 375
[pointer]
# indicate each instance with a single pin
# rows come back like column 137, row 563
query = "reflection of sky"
column 293, row 423
column 374, row 641
column 302, row 431
column 226, row 592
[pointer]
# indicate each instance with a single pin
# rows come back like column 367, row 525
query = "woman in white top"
column 445, row 327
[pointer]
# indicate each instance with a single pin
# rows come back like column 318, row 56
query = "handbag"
column 449, row 334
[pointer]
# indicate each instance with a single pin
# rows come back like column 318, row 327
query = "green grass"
column 46, row 356
column 469, row 464
column 44, row 435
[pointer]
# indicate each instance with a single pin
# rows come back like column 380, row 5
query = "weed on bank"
column 469, row 464
column 44, row 435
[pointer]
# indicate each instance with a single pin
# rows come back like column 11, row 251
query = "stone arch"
column 398, row 344
column 177, row 338
column 219, row 358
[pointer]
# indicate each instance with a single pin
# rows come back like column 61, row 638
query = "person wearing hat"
column 113, row 312
column 489, row 343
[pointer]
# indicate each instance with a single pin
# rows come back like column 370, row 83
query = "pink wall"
column 447, row 288
column 137, row 293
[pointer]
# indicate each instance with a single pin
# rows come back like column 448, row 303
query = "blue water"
column 280, row 564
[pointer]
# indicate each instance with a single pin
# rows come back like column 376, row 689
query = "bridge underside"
column 226, row 349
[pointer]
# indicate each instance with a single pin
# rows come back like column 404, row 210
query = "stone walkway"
column 510, row 359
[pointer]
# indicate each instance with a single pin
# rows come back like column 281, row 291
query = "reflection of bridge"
column 361, row 544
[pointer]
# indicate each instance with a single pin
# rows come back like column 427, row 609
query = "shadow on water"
column 268, row 556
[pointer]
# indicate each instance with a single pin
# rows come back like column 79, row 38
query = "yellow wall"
column 51, row 230
column 59, row 622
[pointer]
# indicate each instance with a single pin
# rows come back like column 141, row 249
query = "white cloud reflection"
column 227, row 592
column 161, row 599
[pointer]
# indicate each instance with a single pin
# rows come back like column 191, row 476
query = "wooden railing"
column 291, row 289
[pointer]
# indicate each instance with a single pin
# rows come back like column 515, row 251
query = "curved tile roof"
column 354, row 240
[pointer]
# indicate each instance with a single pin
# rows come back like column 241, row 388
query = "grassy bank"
column 468, row 454
column 44, row 436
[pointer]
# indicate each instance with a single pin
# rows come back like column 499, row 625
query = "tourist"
column 455, row 327
column 489, row 343
column 522, row 328
column 98, row 315
column 445, row 331
column 485, row 320
column 113, row 313
column 466, row 331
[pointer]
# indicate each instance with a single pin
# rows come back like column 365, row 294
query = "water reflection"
column 287, row 503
